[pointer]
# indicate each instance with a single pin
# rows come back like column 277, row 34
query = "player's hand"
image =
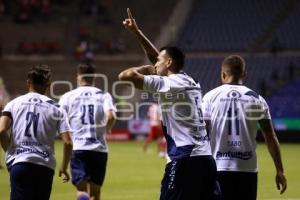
column 129, row 23
column 281, row 182
column 65, row 175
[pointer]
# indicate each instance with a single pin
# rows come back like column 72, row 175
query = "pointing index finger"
column 129, row 13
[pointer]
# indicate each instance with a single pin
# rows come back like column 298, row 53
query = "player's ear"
column 169, row 62
column 244, row 74
column 223, row 76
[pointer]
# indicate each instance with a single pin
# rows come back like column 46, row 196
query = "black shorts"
column 30, row 181
column 88, row 166
column 192, row 178
column 238, row 185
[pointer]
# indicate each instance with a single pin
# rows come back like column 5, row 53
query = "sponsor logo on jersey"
column 44, row 154
column 201, row 138
column 246, row 155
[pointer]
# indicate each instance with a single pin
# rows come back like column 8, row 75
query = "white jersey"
column 234, row 111
column 183, row 124
column 35, row 121
column 86, row 107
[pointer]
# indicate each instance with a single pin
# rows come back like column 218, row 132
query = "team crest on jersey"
column 234, row 94
column 86, row 94
column 35, row 100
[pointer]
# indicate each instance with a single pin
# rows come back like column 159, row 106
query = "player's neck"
column 84, row 83
column 233, row 81
column 36, row 91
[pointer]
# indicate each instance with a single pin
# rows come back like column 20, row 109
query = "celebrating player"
column 91, row 114
column 34, row 119
column 233, row 111
column 191, row 173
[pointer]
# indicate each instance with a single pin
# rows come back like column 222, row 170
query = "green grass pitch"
column 134, row 175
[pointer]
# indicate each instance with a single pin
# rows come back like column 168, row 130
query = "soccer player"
column 34, row 120
column 91, row 114
column 233, row 112
column 191, row 172
column 4, row 99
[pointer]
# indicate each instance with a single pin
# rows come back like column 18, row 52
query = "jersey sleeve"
column 154, row 83
column 63, row 124
column 8, row 110
column 265, row 109
column 64, row 103
column 108, row 103
column 206, row 107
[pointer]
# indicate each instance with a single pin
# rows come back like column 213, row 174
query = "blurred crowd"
column 26, row 11
column 87, row 46
column 39, row 47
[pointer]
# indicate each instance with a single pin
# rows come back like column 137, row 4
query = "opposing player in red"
column 155, row 130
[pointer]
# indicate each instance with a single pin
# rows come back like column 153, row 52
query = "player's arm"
column 5, row 123
column 208, row 126
column 111, row 119
column 67, row 153
column 136, row 75
column 274, row 149
column 149, row 49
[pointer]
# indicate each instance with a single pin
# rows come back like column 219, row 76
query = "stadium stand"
column 215, row 25
column 259, row 68
column 282, row 102
column 287, row 34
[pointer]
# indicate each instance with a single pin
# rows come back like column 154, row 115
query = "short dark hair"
column 234, row 65
column 88, row 70
column 40, row 75
column 177, row 56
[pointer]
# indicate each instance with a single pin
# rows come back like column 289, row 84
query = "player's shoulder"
column 249, row 92
column 29, row 97
column 183, row 79
column 51, row 102
column 72, row 94
column 214, row 92
column 16, row 99
column 69, row 93
column 254, row 95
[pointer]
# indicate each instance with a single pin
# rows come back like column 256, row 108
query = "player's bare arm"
column 274, row 149
column 5, row 123
column 67, row 153
column 111, row 119
column 208, row 126
column 149, row 49
column 136, row 75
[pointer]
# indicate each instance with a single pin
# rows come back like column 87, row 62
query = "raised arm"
column 149, row 49
column 274, row 149
column 136, row 75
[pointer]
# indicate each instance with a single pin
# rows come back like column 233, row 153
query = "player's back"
column 180, row 102
column 234, row 111
column 36, row 120
column 85, row 107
